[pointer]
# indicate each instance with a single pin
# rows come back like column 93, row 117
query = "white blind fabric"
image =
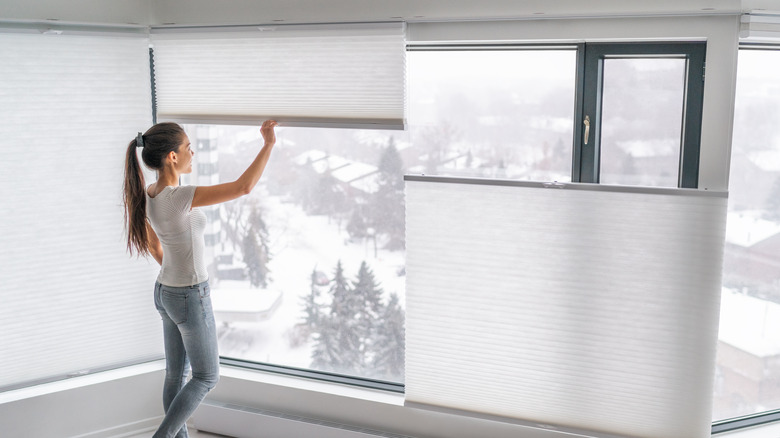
column 587, row 309
column 301, row 75
column 760, row 27
column 72, row 298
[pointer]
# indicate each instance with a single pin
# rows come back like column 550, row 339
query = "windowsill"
column 80, row 381
column 333, row 391
column 323, row 387
column 397, row 399
column 762, row 431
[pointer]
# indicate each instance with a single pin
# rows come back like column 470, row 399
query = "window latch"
column 586, row 122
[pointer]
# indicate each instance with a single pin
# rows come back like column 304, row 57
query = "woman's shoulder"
column 155, row 190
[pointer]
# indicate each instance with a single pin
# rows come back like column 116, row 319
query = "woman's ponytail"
column 157, row 142
column 134, row 198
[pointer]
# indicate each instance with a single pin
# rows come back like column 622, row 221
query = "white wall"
column 100, row 405
column 135, row 400
column 79, row 11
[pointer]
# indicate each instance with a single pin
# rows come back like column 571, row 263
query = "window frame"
column 590, row 76
column 773, row 415
column 589, row 87
column 584, row 162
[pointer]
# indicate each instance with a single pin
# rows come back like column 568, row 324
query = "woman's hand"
column 269, row 136
column 210, row 195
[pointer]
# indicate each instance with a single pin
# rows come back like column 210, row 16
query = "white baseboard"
column 248, row 422
column 125, row 430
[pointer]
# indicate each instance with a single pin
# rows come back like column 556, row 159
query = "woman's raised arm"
column 216, row 194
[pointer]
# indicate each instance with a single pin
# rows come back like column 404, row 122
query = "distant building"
column 351, row 175
column 748, row 362
column 752, row 254
column 206, row 172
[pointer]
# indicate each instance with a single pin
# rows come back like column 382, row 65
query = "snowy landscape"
column 299, row 245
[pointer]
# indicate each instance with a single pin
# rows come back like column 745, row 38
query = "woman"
column 163, row 221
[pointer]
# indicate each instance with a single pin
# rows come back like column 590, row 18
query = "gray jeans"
column 190, row 337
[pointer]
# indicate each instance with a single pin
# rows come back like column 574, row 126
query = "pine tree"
column 367, row 298
column 255, row 249
column 326, row 354
column 359, row 335
column 390, row 342
column 357, row 227
column 388, row 202
column 336, row 344
column 339, row 292
column 311, row 305
column 391, row 166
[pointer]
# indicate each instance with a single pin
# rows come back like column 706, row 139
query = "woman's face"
column 184, row 156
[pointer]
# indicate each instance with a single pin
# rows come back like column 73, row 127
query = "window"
column 748, row 364
column 640, row 119
column 499, row 112
column 641, row 129
column 308, row 271
column 59, row 313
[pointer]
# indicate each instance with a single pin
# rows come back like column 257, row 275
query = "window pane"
column 641, row 124
column 493, row 113
column 308, row 270
column 748, row 364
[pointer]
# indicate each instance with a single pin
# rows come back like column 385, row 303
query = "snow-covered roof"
column 766, row 159
column 309, row 156
column 353, row 171
column 331, row 162
column 367, row 183
column 362, row 176
column 239, row 296
column 746, row 228
column 750, row 324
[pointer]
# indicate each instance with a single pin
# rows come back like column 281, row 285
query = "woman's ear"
column 172, row 157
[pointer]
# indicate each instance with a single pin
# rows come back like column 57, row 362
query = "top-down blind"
column 72, row 299
column 302, row 75
column 588, row 309
column 760, row 27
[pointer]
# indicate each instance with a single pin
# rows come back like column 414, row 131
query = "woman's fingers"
column 267, row 130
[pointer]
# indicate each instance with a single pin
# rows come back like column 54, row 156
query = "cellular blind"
column 760, row 27
column 586, row 309
column 301, row 75
column 73, row 301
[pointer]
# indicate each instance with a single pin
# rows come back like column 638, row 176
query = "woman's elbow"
column 244, row 188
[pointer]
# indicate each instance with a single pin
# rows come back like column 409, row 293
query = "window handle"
column 587, row 128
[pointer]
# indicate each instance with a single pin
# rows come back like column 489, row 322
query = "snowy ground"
column 299, row 243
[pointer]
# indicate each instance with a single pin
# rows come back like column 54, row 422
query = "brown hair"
column 157, row 143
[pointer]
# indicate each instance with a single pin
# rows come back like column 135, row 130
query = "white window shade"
column 301, row 75
column 760, row 27
column 72, row 299
column 588, row 309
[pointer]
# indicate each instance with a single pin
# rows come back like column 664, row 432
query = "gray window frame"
column 590, row 77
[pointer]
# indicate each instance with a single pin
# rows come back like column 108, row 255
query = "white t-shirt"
column 180, row 229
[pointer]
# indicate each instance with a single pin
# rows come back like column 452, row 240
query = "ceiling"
column 312, row 11
column 215, row 12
